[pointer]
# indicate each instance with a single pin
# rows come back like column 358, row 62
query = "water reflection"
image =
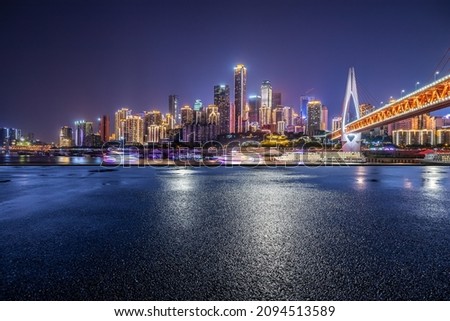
column 407, row 184
column 360, row 178
column 433, row 179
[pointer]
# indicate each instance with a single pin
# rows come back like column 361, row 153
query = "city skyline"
column 64, row 62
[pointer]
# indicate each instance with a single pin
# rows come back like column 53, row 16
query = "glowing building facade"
column 240, row 94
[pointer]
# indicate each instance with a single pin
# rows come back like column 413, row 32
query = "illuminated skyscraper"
column 80, row 133
column 222, row 101
column 187, row 115
column 65, row 137
column 254, row 106
column 304, row 100
column 169, row 121
column 240, row 95
column 119, row 124
column 153, row 133
column 276, row 100
column 265, row 116
column 324, row 118
column 212, row 115
column 277, row 116
column 89, row 129
column 314, row 111
column 134, row 129
column 266, row 94
column 288, row 116
column 104, row 128
column 4, row 135
column 173, row 108
column 153, row 117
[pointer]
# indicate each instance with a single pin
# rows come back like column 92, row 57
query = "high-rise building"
column 324, row 118
column 276, row 100
column 266, row 94
column 119, row 123
column 187, row 115
column 4, row 137
column 277, row 116
column 314, row 111
column 254, row 106
column 304, row 100
column 288, row 116
column 232, row 118
column 153, row 117
column 65, row 137
column 80, row 133
column 212, row 115
column 89, row 129
column 169, row 120
column 104, row 128
column 153, row 133
column 222, row 101
column 9, row 135
column 173, row 108
column 134, row 129
column 265, row 116
column 281, row 127
column 240, row 97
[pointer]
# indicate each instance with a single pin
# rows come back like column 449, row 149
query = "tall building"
column 104, row 128
column 288, row 116
column 240, row 96
column 89, row 129
column 212, row 115
column 65, row 137
column 265, row 117
column 232, row 118
column 119, row 123
column 169, row 121
column 134, row 129
column 222, row 101
column 266, row 94
column 80, row 133
column 324, row 118
column 276, row 100
column 153, row 117
column 304, row 100
column 4, row 137
column 153, row 133
column 173, row 108
column 277, row 116
column 314, row 111
column 187, row 115
column 254, row 106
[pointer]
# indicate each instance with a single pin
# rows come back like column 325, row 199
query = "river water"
column 296, row 233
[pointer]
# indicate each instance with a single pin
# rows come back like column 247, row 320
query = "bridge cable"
column 441, row 65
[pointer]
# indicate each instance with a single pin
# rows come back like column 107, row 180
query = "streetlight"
column 417, row 84
column 401, row 94
column 381, row 103
column 435, row 75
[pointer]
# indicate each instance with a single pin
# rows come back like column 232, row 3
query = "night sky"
column 66, row 60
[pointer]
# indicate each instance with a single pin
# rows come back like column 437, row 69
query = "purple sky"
column 66, row 60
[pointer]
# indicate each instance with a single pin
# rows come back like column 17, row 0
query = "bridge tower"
column 350, row 142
